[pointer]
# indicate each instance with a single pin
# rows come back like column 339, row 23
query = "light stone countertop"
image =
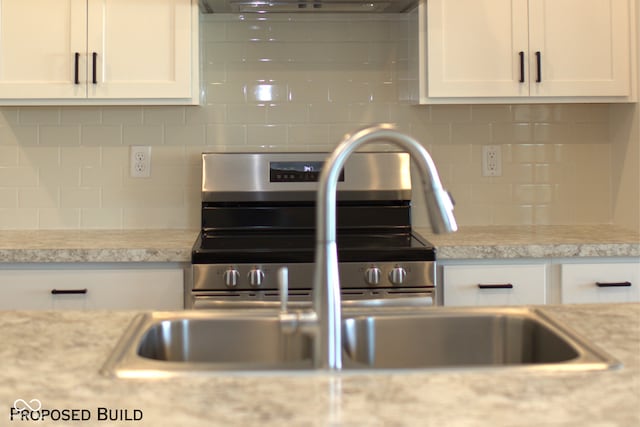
column 97, row 245
column 55, row 357
column 174, row 245
column 554, row 241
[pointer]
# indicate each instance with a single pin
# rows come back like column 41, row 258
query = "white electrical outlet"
column 491, row 160
column 140, row 161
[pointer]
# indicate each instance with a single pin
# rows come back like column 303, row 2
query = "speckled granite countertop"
column 97, row 246
column 55, row 357
column 175, row 245
column 535, row 242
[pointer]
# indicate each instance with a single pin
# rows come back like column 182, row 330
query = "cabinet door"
column 474, row 48
column 583, row 47
column 594, row 283
column 142, row 48
column 489, row 285
column 82, row 289
column 39, row 40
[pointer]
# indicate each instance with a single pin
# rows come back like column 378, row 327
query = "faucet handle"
column 288, row 321
column 283, row 287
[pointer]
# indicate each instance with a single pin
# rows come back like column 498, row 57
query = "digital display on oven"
column 297, row 171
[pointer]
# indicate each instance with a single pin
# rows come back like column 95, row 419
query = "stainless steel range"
column 258, row 215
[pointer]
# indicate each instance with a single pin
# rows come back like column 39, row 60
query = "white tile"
column 152, row 218
column 77, row 157
column 101, row 177
column 185, row 135
column 143, row 135
column 8, row 156
column 81, row 115
column 122, row 115
column 58, row 218
column 35, row 157
column 38, row 197
column 18, row 219
column 163, row 115
column 39, row 115
column 101, row 135
column 80, row 197
column 18, row 177
column 101, row 218
column 8, row 198
column 59, row 135
column 54, row 175
column 19, row 135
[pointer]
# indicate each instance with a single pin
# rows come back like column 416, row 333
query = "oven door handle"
column 205, row 302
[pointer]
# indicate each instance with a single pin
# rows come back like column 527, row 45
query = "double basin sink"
column 170, row 344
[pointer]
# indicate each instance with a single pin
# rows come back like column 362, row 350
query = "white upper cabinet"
column 579, row 47
column 526, row 50
column 473, row 47
column 98, row 52
column 38, row 42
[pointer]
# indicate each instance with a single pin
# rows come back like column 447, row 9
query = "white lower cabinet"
column 82, row 288
column 595, row 283
column 487, row 285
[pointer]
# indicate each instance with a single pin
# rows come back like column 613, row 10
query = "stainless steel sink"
column 165, row 344
column 470, row 338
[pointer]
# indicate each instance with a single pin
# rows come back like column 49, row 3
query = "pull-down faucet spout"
column 325, row 322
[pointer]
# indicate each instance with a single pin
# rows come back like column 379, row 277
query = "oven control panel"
column 297, row 171
column 353, row 275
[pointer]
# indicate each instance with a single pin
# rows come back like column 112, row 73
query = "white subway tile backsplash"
column 188, row 135
column 297, row 83
column 36, row 157
column 163, row 115
column 8, row 198
column 81, row 115
column 19, row 135
column 39, row 197
column 329, row 113
column 121, row 116
column 18, row 177
column 74, row 157
column 142, row 135
column 471, row 133
column 39, row 116
column 81, row 197
column 8, row 156
column 58, row 218
column 49, row 176
column 60, row 135
column 19, row 219
column 101, row 135
column 101, row 218
column 101, row 177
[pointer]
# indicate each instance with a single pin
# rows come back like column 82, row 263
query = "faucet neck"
column 327, row 301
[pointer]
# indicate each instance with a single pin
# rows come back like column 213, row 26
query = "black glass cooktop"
column 268, row 247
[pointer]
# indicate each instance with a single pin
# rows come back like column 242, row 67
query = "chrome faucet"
column 324, row 322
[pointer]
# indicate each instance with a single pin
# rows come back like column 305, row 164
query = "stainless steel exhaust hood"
column 306, row 6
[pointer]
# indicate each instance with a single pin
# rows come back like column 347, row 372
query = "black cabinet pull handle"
column 496, row 286
column 68, row 291
column 521, row 66
column 539, row 66
column 76, row 76
column 95, row 76
column 613, row 284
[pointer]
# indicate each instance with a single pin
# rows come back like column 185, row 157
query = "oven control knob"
column 397, row 275
column 372, row 276
column 256, row 277
column 231, row 277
